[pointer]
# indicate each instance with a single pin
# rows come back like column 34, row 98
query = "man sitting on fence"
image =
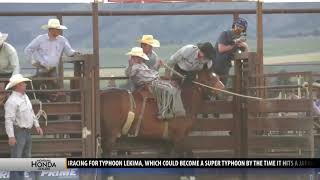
column 229, row 42
column 9, row 63
column 168, row 97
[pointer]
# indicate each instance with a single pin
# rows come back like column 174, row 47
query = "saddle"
column 145, row 92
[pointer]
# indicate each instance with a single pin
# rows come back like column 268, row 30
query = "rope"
column 99, row 149
column 221, row 90
column 165, row 98
column 41, row 112
column 132, row 102
column 228, row 92
column 138, row 126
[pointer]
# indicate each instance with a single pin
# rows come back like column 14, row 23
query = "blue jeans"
column 222, row 65
column 22, row 149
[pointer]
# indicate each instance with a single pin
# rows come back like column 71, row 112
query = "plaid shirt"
column 141, row 74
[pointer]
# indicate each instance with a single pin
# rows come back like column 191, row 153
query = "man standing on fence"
column 228, row 42
column 19, row 120
column 45, row 51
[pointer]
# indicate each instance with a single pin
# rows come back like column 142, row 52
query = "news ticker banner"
column 56, row 164
column 193, row 163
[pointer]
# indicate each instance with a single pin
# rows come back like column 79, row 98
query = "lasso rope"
column 165, row 98
column 213, row 88
column 41, row 112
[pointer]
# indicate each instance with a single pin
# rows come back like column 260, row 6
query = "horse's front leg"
column 180, row 130
column 181, row 149
column 108, row 140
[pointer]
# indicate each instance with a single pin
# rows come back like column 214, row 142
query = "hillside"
column 284, row 34
column 123, row 31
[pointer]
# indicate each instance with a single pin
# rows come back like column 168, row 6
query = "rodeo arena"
column 190, row 110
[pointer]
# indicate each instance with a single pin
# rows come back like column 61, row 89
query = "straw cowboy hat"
column 16, row 79
column 53, row 23
column 138, row 51
column 148, row 39
column 3, row 37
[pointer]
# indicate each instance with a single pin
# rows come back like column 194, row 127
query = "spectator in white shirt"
column 45, row 51
column 316, row 103
column 19, row 120
column 9, row 61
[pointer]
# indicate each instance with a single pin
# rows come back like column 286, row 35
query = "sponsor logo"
column 43, row 164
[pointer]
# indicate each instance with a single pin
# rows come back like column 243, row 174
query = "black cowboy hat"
column 208, row 50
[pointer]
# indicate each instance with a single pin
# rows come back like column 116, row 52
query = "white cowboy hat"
column 138, row 51
column 16, row 79
column 148, row 39
column 53, row 23
column 3, row 37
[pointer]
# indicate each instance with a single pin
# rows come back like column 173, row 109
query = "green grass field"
column 300, row 49
column 289, row 46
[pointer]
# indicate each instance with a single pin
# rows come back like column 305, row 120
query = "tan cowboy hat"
column 3, row 37
column 138, row 51
column 53, row 23
column 148, row 39
column 16, row 79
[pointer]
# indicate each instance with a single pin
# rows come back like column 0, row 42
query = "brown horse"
column 115, row 105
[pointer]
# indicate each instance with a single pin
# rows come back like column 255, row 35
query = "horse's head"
column 209, row 78
column 193, row 93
